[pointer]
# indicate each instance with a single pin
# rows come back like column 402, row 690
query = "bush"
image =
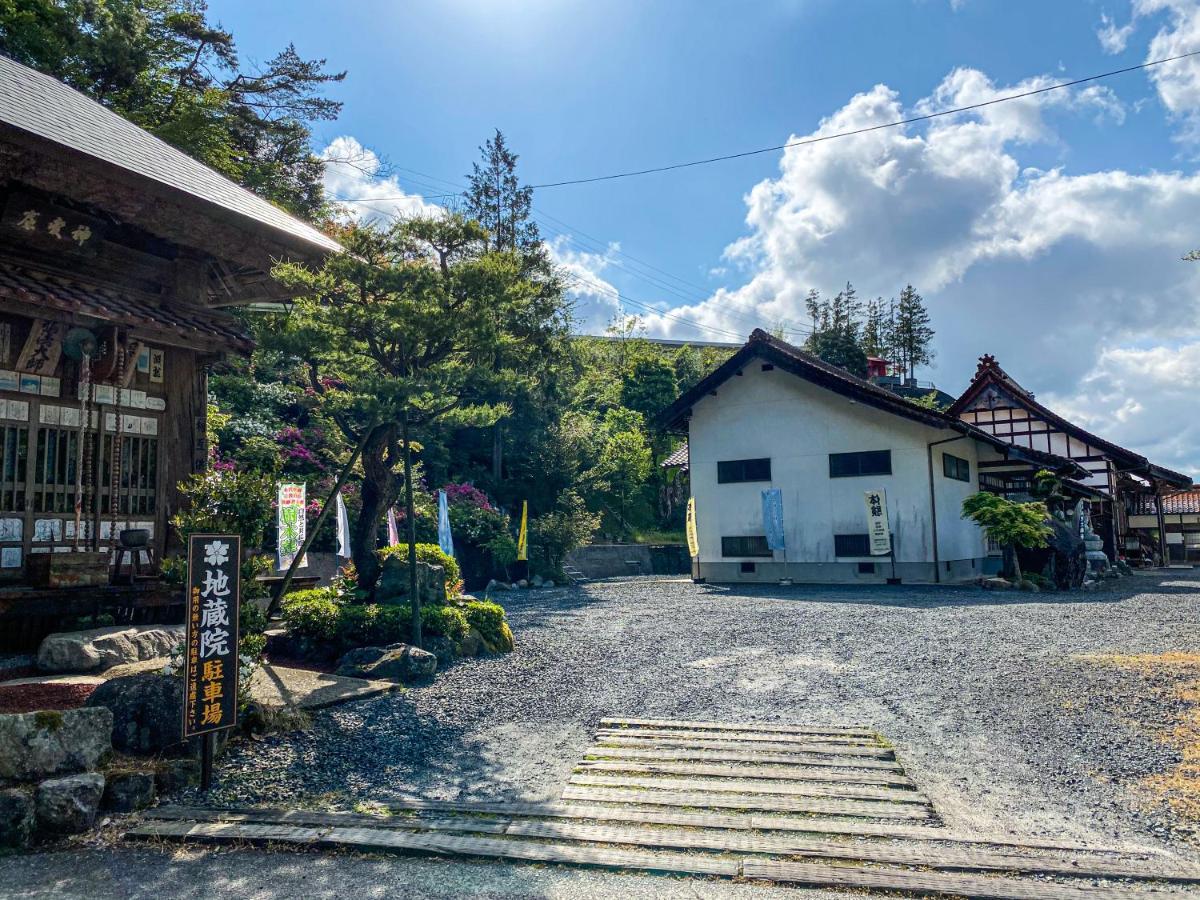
column 372, row 625
column 427, row 553
column 312, row 615
column 553, row 535
column 447, row 621
column 488, row 619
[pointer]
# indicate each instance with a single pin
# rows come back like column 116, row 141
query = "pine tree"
column 497, row 200
column 874, row 332
column 913, row 334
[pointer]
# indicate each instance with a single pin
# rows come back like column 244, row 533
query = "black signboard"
column 211, row 661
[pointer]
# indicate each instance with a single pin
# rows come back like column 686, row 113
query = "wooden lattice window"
column 139, row 474
column 54, row 470
column 15, row 449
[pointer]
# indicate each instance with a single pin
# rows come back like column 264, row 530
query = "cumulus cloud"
column 1177, row 83
column 596, row 300
column 1065, row 278
column 352, row 176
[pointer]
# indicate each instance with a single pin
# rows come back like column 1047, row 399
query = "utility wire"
column 867, row 129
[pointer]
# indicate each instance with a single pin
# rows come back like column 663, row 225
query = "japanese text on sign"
column 878, row 532
column 292, row 524
column 211, row 663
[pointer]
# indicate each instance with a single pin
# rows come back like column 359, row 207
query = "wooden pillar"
column 1162, row 523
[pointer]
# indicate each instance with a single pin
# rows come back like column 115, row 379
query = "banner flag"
column 693, row 539
column 522, row 546
column 879, row 534
column 343, row 527
column 393, row 527
column 772, row 511
column 292, row 523
column 445, row 538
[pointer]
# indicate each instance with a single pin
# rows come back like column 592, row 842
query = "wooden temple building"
column 1121, row 485
column 120, row 258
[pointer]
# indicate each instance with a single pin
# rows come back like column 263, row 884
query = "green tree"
column 398, row 334
column 162, row 65
column 839, row 349
column 1010, row 524
column 876, row 339
column 623, row 463
column 912, row 335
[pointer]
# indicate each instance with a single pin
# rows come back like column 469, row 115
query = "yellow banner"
column 692, row 538
column 522, row 549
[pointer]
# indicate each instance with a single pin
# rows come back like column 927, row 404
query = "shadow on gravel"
column 931, row 596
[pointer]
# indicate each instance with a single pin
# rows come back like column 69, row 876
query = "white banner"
column 879, row 534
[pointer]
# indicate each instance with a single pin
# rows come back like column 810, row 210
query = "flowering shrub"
column 466, row 494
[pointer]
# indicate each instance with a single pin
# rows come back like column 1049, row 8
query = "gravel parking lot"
column 996, row 703
column 1033, row 715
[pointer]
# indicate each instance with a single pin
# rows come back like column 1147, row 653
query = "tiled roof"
column 46, row 107
column 205, row 329
column 678, row 459
column 1182, row 503
column 807, row 365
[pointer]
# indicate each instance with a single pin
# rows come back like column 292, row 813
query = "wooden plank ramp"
column 356, row 837
column 1095, row 865
column 810, row 805
column 739, row 785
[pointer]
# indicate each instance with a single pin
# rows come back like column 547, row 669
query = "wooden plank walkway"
column 805, row 805
column 706, row 838
column 806, row 873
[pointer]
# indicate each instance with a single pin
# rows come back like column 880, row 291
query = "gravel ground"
column 983, row 694
column 989, row 698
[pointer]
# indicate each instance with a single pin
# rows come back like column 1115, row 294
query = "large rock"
column 126, row 792
column 68, row 805
column 441, row 647
column 397, row 662
column 16, row 818
column 147, row 712
column 472, row 644
column 98, row 649
column 393, row 582
column 52, row 742
column 176, row 775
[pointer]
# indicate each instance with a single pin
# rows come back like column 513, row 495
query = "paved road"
column 991, row 701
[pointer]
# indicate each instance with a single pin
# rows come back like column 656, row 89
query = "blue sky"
column 1047, row 232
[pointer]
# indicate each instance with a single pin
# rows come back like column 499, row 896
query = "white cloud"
column 596, row 300
column 1058, row 275
column 1177, row 83
column 1113, row 38
column 1135, row 396
column 352, row 173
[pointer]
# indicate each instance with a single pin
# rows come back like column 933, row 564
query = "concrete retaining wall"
column 616, row 560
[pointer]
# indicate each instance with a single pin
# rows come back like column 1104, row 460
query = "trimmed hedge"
column 488, row 619
column 447, row 621
column 427, row 553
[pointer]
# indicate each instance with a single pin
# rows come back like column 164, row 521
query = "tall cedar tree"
column 162, row 65
column 835, row 337
column 399, row 333
column 912, row 333
column 496, row 199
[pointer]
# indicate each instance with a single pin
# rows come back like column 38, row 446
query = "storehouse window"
column 752, row 545
column 956, row 468
column 734, row 470
column 867, row 462
column 12, row 467
column 851, row 545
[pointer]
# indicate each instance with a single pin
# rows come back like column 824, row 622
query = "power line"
column 841, row 134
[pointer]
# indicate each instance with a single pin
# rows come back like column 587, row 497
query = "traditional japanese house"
column 119, row 261
column 1171, row 521
column 777, row 422
column 1121, row 481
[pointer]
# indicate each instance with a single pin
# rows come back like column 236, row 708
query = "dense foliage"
column 845, row 331
column 1010, row 524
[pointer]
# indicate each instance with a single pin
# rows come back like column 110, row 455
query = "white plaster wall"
column 798, row 424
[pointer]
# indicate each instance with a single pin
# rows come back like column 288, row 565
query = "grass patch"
column 1173, row 677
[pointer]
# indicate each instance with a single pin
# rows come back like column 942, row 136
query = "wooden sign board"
column 211, row 647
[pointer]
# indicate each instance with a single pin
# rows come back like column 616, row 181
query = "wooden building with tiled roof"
column 1125, row 479
column 120, row 260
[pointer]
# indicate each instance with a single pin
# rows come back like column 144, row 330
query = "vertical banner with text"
column 772, row 511
column 879, row 533
column 292, row 523
column 211, row 645
column 693, row 537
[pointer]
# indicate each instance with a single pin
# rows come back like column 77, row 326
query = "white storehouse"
column 774, row 416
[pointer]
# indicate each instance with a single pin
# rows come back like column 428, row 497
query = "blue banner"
column 445, row 539
column 772, row 505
